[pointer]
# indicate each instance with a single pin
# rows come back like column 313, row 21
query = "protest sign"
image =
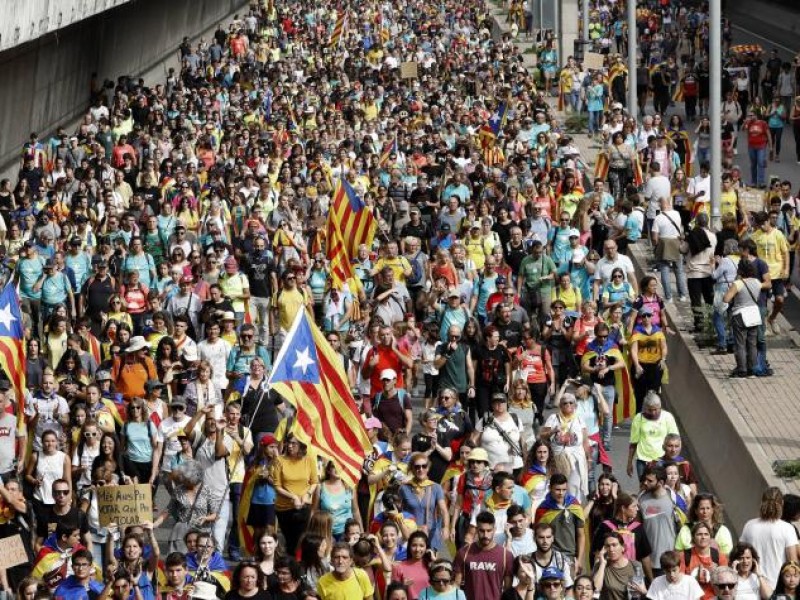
column 125, row 504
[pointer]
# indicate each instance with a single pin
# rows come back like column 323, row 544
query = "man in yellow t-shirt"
column 728, row 199
column 345, row 582
column 398, row 264
column 773, row 249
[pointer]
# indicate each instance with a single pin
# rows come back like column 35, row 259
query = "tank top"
column 49, row 468
column 532, row 365
column 338, row 505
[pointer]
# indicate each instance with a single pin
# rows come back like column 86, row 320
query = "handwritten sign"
column 408, row 70
column 752, row 199
column 125, row 504
column 13, row 553
column 593, row 60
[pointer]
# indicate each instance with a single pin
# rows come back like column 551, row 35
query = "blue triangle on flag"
column 297, row 360
column 10, row 314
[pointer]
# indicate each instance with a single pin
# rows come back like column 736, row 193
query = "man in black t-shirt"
column 96, row 292
column 61, row 512
column 263, row 277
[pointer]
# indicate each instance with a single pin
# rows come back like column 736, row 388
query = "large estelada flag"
column 340, row 267
column 310, row 376
column 12, row 345
column 356, row 221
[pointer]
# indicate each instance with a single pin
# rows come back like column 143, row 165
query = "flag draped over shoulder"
column 549, row 510
column 625, row 406
column 356, row 221
column 310, row 376
column 12, row 345
column 601, row 166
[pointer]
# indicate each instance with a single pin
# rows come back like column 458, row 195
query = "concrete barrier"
column 46, row 82
column 727, row 457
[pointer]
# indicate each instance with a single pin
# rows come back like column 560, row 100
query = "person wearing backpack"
column 392, row 406
column 702, row 558
column 419, row 268
column 626, row 523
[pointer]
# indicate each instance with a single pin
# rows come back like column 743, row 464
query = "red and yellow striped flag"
column 340, row 267
column 354, row 217
column 338, row 29
column 601, row 166
column 12, row 347
column 310, row 376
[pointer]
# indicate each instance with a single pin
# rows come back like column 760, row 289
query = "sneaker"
column 683, row 299
column 719, row 351
column 764, row 373
column 776, row 329
column 736, row 374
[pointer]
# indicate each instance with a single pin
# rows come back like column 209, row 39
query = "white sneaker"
column 773, row 325
column 683, row 299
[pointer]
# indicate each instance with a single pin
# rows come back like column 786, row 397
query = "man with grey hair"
column 648, row 430
column 724, row 581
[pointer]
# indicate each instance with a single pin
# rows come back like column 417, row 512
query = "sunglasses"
column 420, row 466
column 60, row 492
column 726, row 586
column 551, row 584
column 89, row 434
column 246, row 336
column 440, row 581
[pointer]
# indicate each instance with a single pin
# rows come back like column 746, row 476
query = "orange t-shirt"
column 387, row 359
column 129, row 378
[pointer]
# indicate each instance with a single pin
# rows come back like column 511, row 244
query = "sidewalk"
column 734, row 428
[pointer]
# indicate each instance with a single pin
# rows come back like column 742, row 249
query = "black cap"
column 49, row 264
column 5, row 385
column 75, row 241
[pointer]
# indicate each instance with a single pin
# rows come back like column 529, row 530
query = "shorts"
column 431, row 385
column 261, row 515
column 779, row 288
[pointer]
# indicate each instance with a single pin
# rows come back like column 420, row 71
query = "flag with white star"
column 12, row 344
column 310, row 375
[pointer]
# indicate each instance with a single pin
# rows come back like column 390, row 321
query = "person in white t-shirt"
column 774, row 540
column 667, row 230
column 168, row 431
column 656, row 188
column 674, row 583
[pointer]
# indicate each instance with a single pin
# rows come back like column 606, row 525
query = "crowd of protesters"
column 163, row 249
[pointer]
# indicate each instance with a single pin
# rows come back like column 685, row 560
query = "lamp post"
column 715, row 108
column 633, row 47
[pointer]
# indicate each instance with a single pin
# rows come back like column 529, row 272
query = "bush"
column 576, row 123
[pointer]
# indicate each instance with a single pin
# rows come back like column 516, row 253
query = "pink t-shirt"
column 416, row 573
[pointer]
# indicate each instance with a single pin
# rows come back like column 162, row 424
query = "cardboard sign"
column 593, row 60
column 125, row 504
column 752, row 199
column 408, row 70
column 13, row 553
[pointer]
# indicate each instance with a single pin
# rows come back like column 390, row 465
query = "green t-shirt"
column 531, row 270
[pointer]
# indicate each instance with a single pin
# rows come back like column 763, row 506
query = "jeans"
column 235, row 497
column 609, row 393
column 777, row 134
column 744, row 345
column 594, row 121
column 720, row 327
column 574, row 101
column 259, row 312
column 758, row 166
column 680, row 277
column 221, row 524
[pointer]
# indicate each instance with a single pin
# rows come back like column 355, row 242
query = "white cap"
column 388, row 374
column 574, row 233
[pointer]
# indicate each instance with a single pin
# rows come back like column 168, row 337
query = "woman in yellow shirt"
column 295, row 476
column 567, row 293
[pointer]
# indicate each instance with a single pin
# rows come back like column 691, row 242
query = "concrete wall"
column 733, row 466
column 46, row 82
column 27, row 20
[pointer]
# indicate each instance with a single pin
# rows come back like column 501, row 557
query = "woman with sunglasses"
column 440, row 576
column 140, row 444
column 86, row 451
column 648, row 352
column 45, row 467
column 425, row 500
column 117, row 311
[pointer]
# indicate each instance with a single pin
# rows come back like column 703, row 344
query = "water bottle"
column 638, row 579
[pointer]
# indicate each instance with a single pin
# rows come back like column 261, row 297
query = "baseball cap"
column 552, row 573
column 373, row 423
column 388, row 374
column 268, row 440
column 574, row 233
